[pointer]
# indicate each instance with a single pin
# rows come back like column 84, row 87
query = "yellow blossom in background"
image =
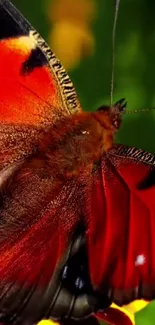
column 129, row 310
column 71, row 43
column 136, row 306
column 71, row 37
column 48, row 322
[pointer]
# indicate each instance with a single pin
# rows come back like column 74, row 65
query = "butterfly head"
column 112, row 114
column 116, row 112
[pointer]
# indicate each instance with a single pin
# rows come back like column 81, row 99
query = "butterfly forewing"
column 35, row 89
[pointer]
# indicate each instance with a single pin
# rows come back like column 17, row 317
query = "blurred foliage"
column 146, row 316
column 134, row 70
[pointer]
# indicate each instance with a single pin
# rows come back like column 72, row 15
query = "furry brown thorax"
column 78, row 141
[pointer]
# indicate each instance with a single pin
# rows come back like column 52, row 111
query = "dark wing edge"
column 133, row 153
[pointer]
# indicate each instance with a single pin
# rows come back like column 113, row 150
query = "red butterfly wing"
column 34, row 234
column 121, row 233
column 34, row 88
column 35, row 226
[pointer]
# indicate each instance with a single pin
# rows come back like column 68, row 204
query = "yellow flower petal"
column 81, row 11
column 135, row 306
column 48, row 322
column 130, row 315
column 71, row 37
column 132, row 308
column 71, row 43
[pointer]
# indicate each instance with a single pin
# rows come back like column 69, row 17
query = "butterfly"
column 77, row 212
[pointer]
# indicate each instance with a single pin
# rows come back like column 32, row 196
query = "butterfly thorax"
column 76, row 142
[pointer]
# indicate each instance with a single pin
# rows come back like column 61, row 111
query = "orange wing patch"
column 30, row 98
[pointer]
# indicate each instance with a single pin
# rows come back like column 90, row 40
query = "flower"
column 113, row 316
column 122, row 315
column 71, row 37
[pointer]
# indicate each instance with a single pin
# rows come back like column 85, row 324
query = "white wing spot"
column 140, row 260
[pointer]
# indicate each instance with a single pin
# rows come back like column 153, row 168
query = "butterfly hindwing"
column 37, row 220
column 121, row 236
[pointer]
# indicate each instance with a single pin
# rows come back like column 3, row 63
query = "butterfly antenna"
column 139, row 110
column 113, row 50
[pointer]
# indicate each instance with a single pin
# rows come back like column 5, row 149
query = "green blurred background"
column 134, row 66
